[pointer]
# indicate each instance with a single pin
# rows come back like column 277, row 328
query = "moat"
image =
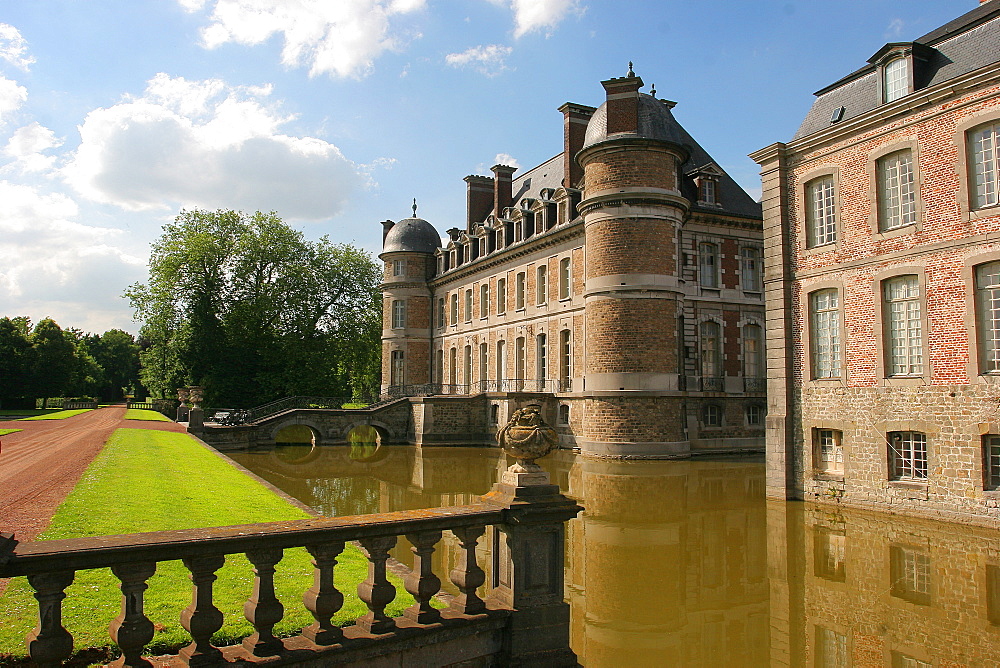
column 684, row 563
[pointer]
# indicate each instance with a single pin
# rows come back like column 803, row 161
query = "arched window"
column 565, row 360
column 563, row 413
column 895, row 80
column 711, row 350
column 541, row 285
column 484, row 300
column 753, row 351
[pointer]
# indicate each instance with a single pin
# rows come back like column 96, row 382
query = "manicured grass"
column 59, row 415
column 4, row 432
column 146, row 480
column 23, row 412
column 143, row 414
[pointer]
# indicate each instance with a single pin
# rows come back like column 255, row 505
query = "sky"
column 117, row 114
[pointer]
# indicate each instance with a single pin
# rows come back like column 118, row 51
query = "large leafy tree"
column 246, row 306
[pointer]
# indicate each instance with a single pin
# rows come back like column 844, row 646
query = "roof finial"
column 414, row 207
column 630, row 72
column 652, row 91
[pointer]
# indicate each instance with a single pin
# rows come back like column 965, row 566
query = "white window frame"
column 755, row 415
column 541, row 357
column 828, row 448
column 520, row 283
column 442, row 320
column 468, row 305
column 895, row 79
column 565, row 276
column 541, row 285
column 984, row 164
column 399, row 314
column 903, row 322
column 397, row 368
column 988, row 316
column 501, row 296
column 910, row 573
column 454, row 308
column 708, row 265
column 753, row 351
column 897, row 195
column 821, row 211
column 710, row 340
column 824, row 333
column 750, row 269
column 484, row 300
column 711, row 415
column 907, row 456
column 398, row 268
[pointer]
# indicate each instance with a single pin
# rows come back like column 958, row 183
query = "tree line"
column 45, row 360
column 245, row 306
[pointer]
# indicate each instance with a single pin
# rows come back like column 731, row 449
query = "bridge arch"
column 295, row 432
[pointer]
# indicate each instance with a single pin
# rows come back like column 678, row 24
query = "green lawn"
column 22, row 412
column 143, row 414
column 4, row 432
column 59, row 415
column 146, row 480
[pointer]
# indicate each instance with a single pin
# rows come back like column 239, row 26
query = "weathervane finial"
column 630, row 72
column 652, row 91
column 414, row 207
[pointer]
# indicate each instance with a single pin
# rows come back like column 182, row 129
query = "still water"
column 683, row 563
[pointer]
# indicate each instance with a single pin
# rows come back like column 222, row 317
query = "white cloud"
column 207, row 144
column 506, row 159
column 13, row 47
column 531, row 15
column 27, row 144
column 895, row 28
column 57, row 267
column 12, row 96
column 489, row 60
column 337, row 37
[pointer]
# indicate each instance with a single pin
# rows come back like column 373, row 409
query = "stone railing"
column 76, row 405
column 478, row 387
column 524, row 614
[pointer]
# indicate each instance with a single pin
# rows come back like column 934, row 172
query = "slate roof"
column 415, row 235
column 960, row 46
column 549, row 174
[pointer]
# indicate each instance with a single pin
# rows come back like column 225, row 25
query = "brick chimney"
column 623, row 102
column 386, row 226
column 503, row 194
column 575, row 118
column 478, row 199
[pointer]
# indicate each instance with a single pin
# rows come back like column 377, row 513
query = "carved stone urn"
column 182, row 395
column 196, row 394
column 526, row 438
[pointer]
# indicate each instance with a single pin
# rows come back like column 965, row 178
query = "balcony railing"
column 478, row 387
column 713, row 384
column 50, row 567
column 754, row 384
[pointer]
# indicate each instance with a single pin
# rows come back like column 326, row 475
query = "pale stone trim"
column 802, row 206
column 911, row 144
column 878, row 280
column 962, row 164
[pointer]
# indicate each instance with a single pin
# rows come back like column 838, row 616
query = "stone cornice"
column 548, row 238
column 634, row 198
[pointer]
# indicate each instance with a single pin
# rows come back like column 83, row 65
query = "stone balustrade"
column 523, row 621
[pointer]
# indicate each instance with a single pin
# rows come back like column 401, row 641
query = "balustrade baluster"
column 467, row 575
column 323, row 600
column 201, row 619
column 132, row 630
column 421, row 582
column 377, row 592
column 50, row 642
column 263, row 609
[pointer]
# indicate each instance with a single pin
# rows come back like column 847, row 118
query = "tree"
column 247, row 307
column 54, row 361
column 16, row 360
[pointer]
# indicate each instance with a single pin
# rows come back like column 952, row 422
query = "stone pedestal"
column 529, row 574
column 196, row 420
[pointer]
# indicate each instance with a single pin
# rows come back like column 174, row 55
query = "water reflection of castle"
column 681, row 563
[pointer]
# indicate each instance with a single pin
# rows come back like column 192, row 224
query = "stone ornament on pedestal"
column 183, row 395
column 526, row 438
column 196, row 393
column 196, row 416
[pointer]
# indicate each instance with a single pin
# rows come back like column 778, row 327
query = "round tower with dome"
column 408, row 264
column 632, row 209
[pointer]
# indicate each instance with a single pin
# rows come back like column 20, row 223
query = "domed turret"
column 654, row 121
column 411, row 235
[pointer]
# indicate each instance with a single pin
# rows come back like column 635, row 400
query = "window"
column 564, row 276
column 830, row 554
column 484, row 300
column 453, row 366
column 565, row 360
column 519, row 358
column 985, row 175
column 501, row 296
column 711, row 349
column 711, row 415
column 753, row 351
column 519, row 291
column 454, row 308
column 441, row 321
column 706, row 190
column 398, row 314
column 897, row 202
column 895, row 80
column 991, row 463
column 494, row 413
column 708, row 259
column 821, row 213
column 825, row 334
column 910, row 574
column 831, row 649
column 501, row 363
column 468, row 305
column 900, row 660
column 484, row 363
column 541, row 358
column 904, row 339
column 988, row 315
column 398, row 268
column 828, row 451
column 563, row 413
column 467, row 366
column 750, row 269
column 440, row 366
column 908, row 456
column 993, row 594
column 541, row 285
column 755, row 415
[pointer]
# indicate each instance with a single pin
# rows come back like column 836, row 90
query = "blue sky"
column 114, row 115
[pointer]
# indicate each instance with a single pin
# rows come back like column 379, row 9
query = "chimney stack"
column 478, row 199
column 503, row 193
column 386, row 226
column 575, row 119
column 623, row 102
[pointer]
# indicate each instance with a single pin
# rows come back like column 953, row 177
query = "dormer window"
column 895, row 79
column 707, row 191
column 706, row 180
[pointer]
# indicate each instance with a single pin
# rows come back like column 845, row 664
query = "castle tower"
column 408, row 255
column 632, row 208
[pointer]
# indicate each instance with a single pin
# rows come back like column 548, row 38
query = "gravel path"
column 40, row 465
